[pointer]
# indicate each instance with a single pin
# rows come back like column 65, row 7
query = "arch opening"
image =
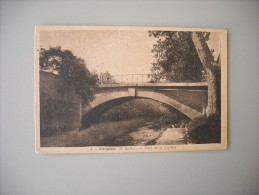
column 117, row 97
column 93, row 115
column 133, row 108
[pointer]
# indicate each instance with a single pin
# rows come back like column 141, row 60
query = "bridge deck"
column 180, row 85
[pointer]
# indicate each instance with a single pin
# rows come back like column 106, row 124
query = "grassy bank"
column 97, row 135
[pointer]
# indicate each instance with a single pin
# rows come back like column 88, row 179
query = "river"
column 130, row 132
column 149, row 134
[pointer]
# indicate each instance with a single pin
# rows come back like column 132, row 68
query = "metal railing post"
column 113, row 79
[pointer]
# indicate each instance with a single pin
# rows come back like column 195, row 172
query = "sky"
column 119, row 52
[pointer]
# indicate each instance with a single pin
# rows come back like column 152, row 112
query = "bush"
column 204, row 130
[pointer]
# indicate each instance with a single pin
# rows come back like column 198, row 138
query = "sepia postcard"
column 118, row 89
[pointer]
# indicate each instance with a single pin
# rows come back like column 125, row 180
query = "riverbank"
column 98, row 134
column 131, row 132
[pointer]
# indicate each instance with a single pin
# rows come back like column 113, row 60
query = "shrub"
column 204, row 130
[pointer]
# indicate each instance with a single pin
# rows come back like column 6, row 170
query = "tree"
column 212, row 68
column 72, row 69
column 176, row 57
column 107, row 78
column 185, row 56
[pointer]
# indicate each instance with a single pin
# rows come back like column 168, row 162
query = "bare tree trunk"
column 212, row 93
column 211, row 68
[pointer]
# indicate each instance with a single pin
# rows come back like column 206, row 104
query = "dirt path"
column 145, row 136
column 172, row 136
column 148, row 136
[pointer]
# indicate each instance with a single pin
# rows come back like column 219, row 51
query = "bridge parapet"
column 107, row 78
column 173, row 85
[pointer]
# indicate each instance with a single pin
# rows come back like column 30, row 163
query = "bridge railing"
column 135, row 79
column 125, row 79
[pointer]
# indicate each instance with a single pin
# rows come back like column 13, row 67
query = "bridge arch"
column 105, row 97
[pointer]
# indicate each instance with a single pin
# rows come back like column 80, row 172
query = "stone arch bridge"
column 188, row 98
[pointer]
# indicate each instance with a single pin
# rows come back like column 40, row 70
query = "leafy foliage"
column 176, row 57
column 72, row 69
column 204, row 130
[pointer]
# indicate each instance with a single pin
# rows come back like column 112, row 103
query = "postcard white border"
column 130, row 149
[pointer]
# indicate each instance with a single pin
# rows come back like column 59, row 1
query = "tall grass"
column 97, row 135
